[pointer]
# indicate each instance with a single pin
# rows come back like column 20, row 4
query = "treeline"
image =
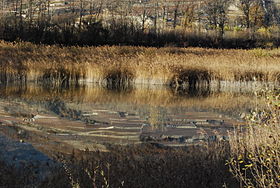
column 207, row 23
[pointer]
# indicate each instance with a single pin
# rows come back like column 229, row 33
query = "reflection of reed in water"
column 157, row 96
column 157, row 118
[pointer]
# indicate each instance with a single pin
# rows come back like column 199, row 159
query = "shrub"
column 255, row 153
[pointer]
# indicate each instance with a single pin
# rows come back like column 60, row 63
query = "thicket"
column 148, row 23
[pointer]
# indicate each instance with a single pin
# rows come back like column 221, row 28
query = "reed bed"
column 127, row 65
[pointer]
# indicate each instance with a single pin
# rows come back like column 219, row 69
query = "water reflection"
column 135, row 114
column 194, row 92
column 195, row 100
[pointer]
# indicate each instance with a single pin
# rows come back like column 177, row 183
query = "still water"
column 92, row 116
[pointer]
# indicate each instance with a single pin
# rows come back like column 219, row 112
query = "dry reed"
column 127, row 65
column 255, row 153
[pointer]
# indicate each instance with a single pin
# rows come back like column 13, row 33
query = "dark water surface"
column 91, row 116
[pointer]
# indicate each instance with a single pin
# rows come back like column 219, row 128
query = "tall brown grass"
column 255, row 160
column 128, row 65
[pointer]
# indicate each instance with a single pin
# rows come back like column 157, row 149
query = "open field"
column 121, row 66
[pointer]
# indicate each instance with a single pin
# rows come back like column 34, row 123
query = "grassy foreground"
column 123, row 65
column 133, row 166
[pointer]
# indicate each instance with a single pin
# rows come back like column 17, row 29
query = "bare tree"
column 81, row 12
column 270, row 12
column 164, row 15
column 216, row 12
column 30, row 12
column 189, row 15
column 246, row 6
column 257, row 15
column 156, row 13
column 176, row 14
column 145, row 12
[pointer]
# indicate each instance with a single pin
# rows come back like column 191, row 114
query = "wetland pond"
column 91, row 116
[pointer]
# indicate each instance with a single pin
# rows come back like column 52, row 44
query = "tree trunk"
column 175, row 16
column 143, row 20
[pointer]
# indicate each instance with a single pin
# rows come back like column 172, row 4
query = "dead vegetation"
column 123, row 65
column 255, row 152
